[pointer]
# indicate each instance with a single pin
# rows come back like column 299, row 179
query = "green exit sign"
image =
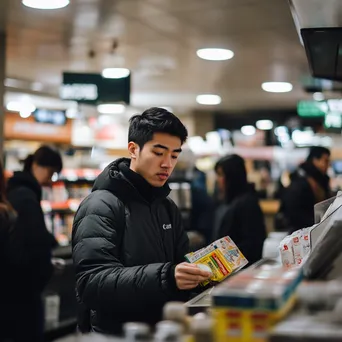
column 312, row 109
column 316, row 109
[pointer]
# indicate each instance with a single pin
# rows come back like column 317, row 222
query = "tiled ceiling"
column 157, row 40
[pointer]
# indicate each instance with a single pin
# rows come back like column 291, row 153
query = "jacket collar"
column 126, row 184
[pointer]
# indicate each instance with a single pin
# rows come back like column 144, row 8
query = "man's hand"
column 188, row 276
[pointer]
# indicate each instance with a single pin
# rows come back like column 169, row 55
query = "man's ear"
column 133, row 149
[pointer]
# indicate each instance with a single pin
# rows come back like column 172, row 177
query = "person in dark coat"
column 7, row 220
column 128, row 240
column 30, row 244
column 239, row 216
column 309, row 185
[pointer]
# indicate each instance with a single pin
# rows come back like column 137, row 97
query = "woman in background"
column 239, row 215
column 30, row 244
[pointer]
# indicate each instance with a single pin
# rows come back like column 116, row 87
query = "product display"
column 221, row 258
column 247, row 305
column 295, row 248
column 62, row 199
column 317, row 249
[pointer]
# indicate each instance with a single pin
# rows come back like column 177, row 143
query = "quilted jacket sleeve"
column 102, row 282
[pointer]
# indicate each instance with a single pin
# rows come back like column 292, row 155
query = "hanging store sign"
column 93, row 89
column 79, row 92
column 28, row 129
column 312, row 109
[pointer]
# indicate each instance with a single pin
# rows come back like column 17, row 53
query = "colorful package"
column 223, row 258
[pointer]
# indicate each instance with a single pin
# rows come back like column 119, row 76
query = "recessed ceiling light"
column 277, row 87
column 215, row 54
column 24, row 113
column 248, row 130
column 264, row 124
column 318, row 96
column 46, row 4
column 208, row 99
column 14, row 106
column 115, row 72
column 111, row 108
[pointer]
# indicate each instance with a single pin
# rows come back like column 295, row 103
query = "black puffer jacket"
column 29, row 259
column 30, row 242
column 125, row 244
column 243, row 220
column 298, row 200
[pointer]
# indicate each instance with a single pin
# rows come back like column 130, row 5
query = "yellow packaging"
column 246, row 325
column 222, row 257
column 219, row 266
column 231, row 252
column 238, row 325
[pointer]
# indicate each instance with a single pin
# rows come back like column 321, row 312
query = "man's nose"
column 167, row 162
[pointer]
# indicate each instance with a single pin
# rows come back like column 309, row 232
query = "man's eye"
column 158, row 154
column 174, row 157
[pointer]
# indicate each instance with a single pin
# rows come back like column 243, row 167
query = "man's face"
column 157, row 159
column 322, row 163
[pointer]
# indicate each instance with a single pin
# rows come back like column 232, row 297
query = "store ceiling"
column 157, row 40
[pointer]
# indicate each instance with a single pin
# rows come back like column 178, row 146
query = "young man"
column 128, row 240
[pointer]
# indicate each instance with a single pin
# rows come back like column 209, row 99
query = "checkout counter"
column 269, row 303
column 306, row 305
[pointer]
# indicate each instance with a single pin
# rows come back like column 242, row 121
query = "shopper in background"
column 30, row 244
column 309, row 185
column 128, row 239
column 239, row 215
column 199, row 224
column 7, row 220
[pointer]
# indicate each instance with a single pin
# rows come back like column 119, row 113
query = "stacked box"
column 247, row 306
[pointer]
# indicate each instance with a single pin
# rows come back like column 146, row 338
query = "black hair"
column 316, row 152
column 45, row 156
column 155, row 120
column 234, row 170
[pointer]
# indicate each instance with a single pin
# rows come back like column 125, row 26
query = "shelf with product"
column 62, row 199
